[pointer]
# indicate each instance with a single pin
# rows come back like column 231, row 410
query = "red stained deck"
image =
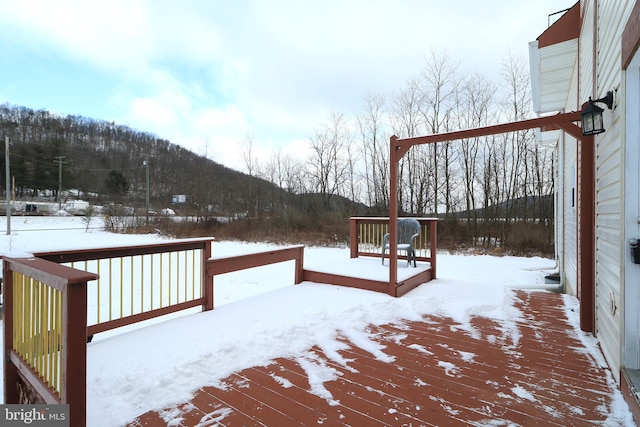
column 441, row 376
column 408, row 278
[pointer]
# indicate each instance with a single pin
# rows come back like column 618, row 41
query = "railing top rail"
column 51, row 273
column 229, row 264
column 123, row 251
column 250, row 254
column 386, row 218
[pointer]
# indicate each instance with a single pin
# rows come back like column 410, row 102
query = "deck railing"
column 37, row 332
column 45, row 334
column 230, row 264
column 55, row 300
column 367, row 233
column 138, row 283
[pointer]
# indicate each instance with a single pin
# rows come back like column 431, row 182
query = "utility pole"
column 146, row 165
column 8, row 183
column 59, row 161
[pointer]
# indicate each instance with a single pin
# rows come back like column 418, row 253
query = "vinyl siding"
column 586, row 53
column 609, row 190
column 570, row 226
column 600, row 46
column 559, row 60
column 630, row 111
column 569, row 251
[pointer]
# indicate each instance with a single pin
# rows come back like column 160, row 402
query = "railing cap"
column 51, row 273
column 121, row 251
column 257, row 253
column 386, row 218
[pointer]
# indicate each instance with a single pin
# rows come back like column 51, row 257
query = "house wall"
column 603, row 22
column 569, row 147
column 569, row 254
column 598, row 70
column 631, row 331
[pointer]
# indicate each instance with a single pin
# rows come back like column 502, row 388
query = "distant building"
column 179, row 198
column 76, row 207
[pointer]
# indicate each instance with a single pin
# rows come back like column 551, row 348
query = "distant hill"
column 532, row 207
column 106, row 162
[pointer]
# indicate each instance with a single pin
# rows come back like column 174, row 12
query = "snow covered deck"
column 431, row 371
column 465, row 347
column 367, row 273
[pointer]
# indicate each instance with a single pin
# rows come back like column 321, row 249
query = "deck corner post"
column 433, row 236
column 207, row 278
column 353, row 237
column 74, row 356
column 10, row 379
column 299, row 274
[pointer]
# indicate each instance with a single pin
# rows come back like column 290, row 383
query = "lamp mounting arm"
column 607, row 100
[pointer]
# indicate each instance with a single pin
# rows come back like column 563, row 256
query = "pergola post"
column 586, row 225
column 393, row 217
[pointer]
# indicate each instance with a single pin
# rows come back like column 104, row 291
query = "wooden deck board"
column 463, row 383
column 441, row 375
column 411, row 279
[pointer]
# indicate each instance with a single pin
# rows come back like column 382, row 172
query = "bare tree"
column 375, row 151
column 475, row 103
column 286, row 174
column 440, row 87
column 517, row 166
column 407, row 122
column 246, row 151
column 329, row 166
column 354, row 183
column 247, row 154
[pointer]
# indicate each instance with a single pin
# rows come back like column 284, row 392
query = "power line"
column 37, row 161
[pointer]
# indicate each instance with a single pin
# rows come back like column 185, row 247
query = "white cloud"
column 229, row 118
column 197, row 71
column 146, row 110
column 299, row 149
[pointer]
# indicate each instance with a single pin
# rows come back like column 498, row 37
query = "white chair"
column 408, row 231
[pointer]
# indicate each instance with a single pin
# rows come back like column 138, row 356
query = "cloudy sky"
column 205, row 74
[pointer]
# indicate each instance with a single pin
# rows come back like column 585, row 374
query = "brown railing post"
column 74, row 358
column 11, row 394
column 353, row 237
column 299, row 274
column 433, row 236
column 207, row 279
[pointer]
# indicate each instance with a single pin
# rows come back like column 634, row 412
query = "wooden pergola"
column 586, row 207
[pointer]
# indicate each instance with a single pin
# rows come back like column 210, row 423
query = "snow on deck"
column 432, row 372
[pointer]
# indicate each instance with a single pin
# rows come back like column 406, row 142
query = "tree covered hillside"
column 106, row 162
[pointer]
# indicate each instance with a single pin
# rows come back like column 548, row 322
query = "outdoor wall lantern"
column 592, row 115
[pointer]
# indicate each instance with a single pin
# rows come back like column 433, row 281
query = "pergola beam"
column 545, row 123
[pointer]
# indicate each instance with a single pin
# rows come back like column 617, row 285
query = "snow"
column 261, row 315
column 521, row 392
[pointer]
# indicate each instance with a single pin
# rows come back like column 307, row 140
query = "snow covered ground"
column 260, row 315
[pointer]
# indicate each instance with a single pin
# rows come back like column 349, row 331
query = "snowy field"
column 260, row 315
